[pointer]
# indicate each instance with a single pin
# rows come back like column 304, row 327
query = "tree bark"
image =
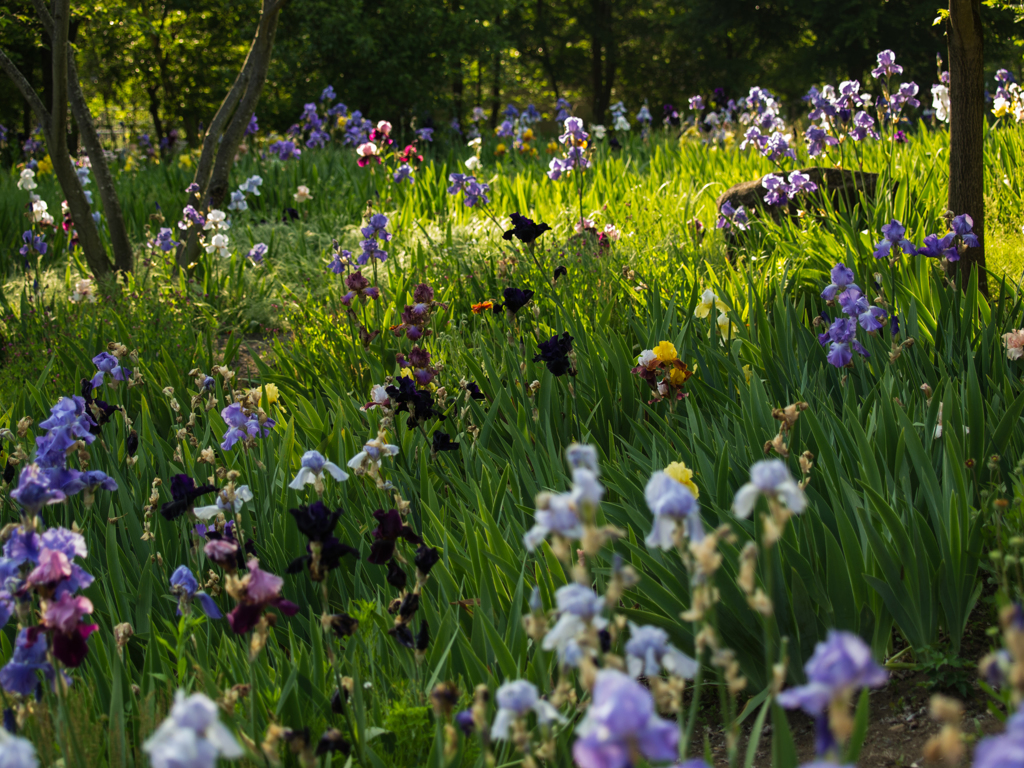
column 120, row 243
column 966, row 132
column 227, row 129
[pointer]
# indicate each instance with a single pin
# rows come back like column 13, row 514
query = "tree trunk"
column 966, row 131
column 227, row 129
column 120, row 244
column 602, row 57
column 496, row 90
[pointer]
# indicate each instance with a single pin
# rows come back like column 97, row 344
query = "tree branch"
column 26, row 90
column 44, row 16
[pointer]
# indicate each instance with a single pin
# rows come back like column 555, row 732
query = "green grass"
column 891, row 541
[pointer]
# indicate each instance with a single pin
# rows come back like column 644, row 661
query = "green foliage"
column 899, row 514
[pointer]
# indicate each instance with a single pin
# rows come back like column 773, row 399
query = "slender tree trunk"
column 154, row 112
column 227, row 129
column 120, row 243
column 967, row 131
column 496, row 89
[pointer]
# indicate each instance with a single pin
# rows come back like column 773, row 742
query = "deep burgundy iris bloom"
column 443, row 442
column 474, row 391
column 561, row 271
column 184, row 493
column 390, row 528
column 524, row 229
column 426, row 558
column 316, row 522
column 515, row 299
column 397, row 576
column 555, row 354
column 418, row 403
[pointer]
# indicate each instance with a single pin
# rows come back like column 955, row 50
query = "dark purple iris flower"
column 390, row 528
column 555, row 354
column 184, row 493
column 524, row 229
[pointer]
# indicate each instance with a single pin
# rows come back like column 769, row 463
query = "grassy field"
column 904, row 497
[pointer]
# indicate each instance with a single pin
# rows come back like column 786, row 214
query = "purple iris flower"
column 376, row 229
column 257, row 252
column 328, row 94
column 29, row 657
column 240, row 426
column 963, row 225
column 425, row 134
column 165, row 240
column 371, row 250
column 32, row 242
column 458, row 182
column 89, row 480
column 697, row 103
column 475, row 192
column 563, row 107
column 506, row 130
column 753, row 137
column 842, row 278
column 1004, row 750
column 284, row 150
column 729, row 217
column 106, row 363
column 318, row 139
column 855, row 304
column 778, row 190
column 863, row 127
column 937, row 248
column 404, row 173
column 35, row 490
column 818, row 141
column 887, row 66
column 342, row 260
column 190, row 213
column 843, row 342
column 893, row 234
column 776, row 147
column 510, row 112
column 186, row 587
column 574, row 133
column 622, row 719
column 253, row 127
column 800, row 182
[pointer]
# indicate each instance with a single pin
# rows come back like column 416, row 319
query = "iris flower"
column 770, row 478
column 310, row 473
column 185, row 586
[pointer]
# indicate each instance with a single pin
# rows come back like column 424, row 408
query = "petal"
column 546, row 712
column 206, row 513
column 209, row 607
column 304, row 477
column 499, row 729
column 336, row 472
column 357, row 461
column 744, row 500
column 679, row 664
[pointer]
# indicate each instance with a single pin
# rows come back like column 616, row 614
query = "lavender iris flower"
column 887, row 66
column 729, row 217
column 253, row 127
column 165, row 240
column 106, row 363
column 855, row 304
column 800, row 182
column 342, row 260
column 648, row 651
column 517, row 699
column 937, row 248
column 697, row 103
column 35, row 490
column 506, row 130
column 778, row 190
column 842, row 278
column 893, row 234
column 620, row 720
column 776, row 147
column 404, row 173
column 328, row 94
column 671, row 504
column 185, row 586
column 1004, row 750
column 863, row 127
column 574, row 133
column 241, row 426
column 579, row 607
column 963, row 225
column 19, row 674
column 818, row 141
column 771, row 478
column 312, row 467
column 257, row 252
column 842, row 337
column 425, row 134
